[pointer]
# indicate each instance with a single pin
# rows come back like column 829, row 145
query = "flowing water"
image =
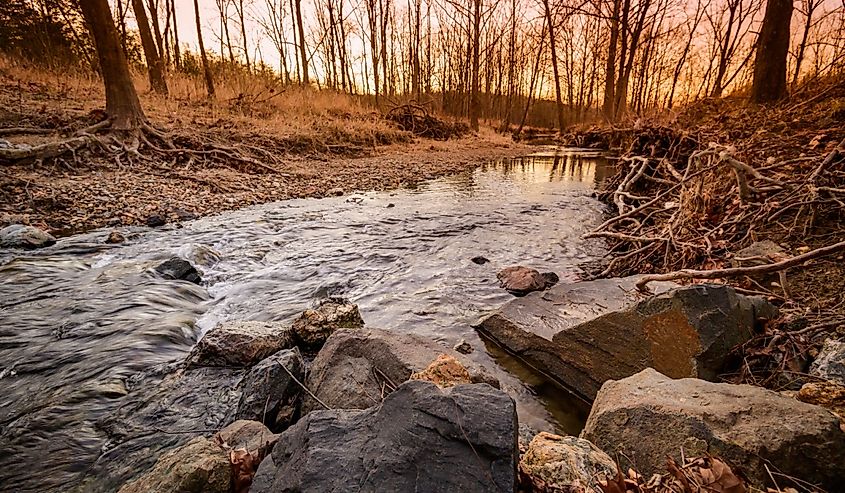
column 78, row 318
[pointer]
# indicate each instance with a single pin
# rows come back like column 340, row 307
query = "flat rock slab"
column 422, row 438
column 648, row 416
column 586, row 333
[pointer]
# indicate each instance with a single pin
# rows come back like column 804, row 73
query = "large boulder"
column 25, row 237
column 586, row 333
column 357, row 367
column 830, row 362
column 240, row 343
column 519, row 280
column 648, row 416
column 421, row 438
column 314, row 326
column 554, row 463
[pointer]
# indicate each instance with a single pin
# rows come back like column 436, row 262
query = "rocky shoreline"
column 328, row 404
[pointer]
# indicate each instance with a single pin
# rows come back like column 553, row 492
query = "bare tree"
column 772, row 47
column 209, row 81
column 154, row 65
column 122, row 104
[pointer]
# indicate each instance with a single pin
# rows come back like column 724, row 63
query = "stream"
column 78, row 318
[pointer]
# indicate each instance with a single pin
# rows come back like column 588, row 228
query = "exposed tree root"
column 145, row 143
column 741, row 271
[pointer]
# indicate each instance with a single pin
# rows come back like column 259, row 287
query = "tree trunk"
column 154, row 67
column 302, row 49
column 240, row 8
column 177, row 55
column 122, row 104
column 799, row 57
column 209, row 82
column 558, row 98
column 159, row 39
column 772, row 47
column 475, row 103
column 531, row 84
column 608, row 107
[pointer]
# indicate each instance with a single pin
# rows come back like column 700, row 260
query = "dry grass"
column 320, row 119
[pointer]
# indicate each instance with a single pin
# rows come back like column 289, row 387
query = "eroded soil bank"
column 71, row 200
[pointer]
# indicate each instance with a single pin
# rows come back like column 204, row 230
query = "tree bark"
column 609, row 104
column 475, row 103
column 122, row 104
column 558, row 98
column 177, row 55
column 769, row 82
column 159, row 39
column 209, row 81
column 302, row 49
column 151, row 53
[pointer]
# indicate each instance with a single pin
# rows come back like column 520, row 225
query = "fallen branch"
column 741, row 271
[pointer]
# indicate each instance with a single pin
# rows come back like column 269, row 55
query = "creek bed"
column 79, row 318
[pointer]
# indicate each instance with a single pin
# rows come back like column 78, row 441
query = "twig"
column 306, row 389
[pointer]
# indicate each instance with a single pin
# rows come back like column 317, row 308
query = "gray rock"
column 270, row 394
column 240, row 343
column 555, row 463
column 519, row 280
column 172, row 404
column 648, row 416
column 25, row 237
column 313, row 327
column 178, row 269
column 357, row 367
column 830, row 363
column 422, row 438
column 585, row 333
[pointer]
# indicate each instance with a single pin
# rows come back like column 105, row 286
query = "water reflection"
column 571, row 165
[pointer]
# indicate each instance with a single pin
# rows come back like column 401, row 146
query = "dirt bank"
column 66, row 200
